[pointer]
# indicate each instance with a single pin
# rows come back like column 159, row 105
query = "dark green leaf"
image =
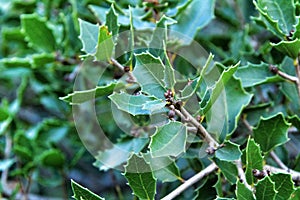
column 255, row 74
column 265, row 189
column 88, row 36
column 271, row 132
column 81, row 193
column 37, row 33
column 78, row 97
column 228, row 169
column 53, row 158
column 140, row 177
column 289, row 48
column 254, row 160
column 112, row 21
column 169, row 140
column 229, row 152
column 243, row 193
column 284, row 185
column 296, row 195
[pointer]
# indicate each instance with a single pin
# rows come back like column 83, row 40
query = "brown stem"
column 131, row 78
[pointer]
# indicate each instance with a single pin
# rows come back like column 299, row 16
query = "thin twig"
column 295, row 175
column 4, row 175
column 278, row 161
column 297, row 65
column 242, row 175
column 204, row 134
column 209, row 169
column 131, row 78
column 284, row 75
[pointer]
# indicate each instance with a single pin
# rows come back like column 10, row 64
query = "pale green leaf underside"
column 229, row 152
column 169, row 140
column 88, row 36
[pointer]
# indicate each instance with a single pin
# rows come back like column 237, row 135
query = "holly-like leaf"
column 228, row 169
column 119, row 154
column 284, row 186
column 254, row 160
column 137, row 104
column 82, row 193
column 140, row 177
column 164, row 168
column 169, row 140
column 265, row 189
column 88, row 36
column 112, row 21
column 193, row 17
column 271, row 132
column 243, row 193
column 280, row 11
column 105, row 45
column 37, row 33
column 148, row 72
column 295, row 195
column 169, row 73
column 223, row 115
column 289, row 48
column 159, row 37
column 229, row 152
column 78, row 97
column 255, row 74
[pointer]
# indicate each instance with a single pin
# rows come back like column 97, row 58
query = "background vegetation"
column 255, row 47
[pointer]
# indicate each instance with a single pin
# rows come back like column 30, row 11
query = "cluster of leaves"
column 170, row 118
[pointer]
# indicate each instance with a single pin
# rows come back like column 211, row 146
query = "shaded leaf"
column 140, row 177
column 229, row 152
column 265, row 189
column 88, row 36
column 53, row 158
column 38, row 33
column 169, row 140
column 271, row 132
column 82, row 193
column 284, row 186
column 254, row 160
column 78, row 97
column 243, row 193
column 289, row 48
column 228, row 169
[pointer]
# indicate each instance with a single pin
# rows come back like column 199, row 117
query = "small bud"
column 126, row 69
column 171, row 114
column 273, row 69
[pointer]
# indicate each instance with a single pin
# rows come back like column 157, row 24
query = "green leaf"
column 140, row 177
column 79, row 97
column 265, row 189
column 289, row 48
column 137, row 104
column 255, row 74
column 119, row 154
column 169, row 72
column 164, row 168
column 284, row 185
column 148, row 72
column 295, row 120
column 243, row 193
column 228, row 169
column 280, row 11
column 193, row 17
column 105, row 45
column 53, row 158
column 81, row 193
column 229, row 152
column 159, row 37
column 169, row 140
column 223, row 116
column 271, row 132
column 296, row 34
column 88, row 36
column 112, row 21
column 37, row 33
column 254, row 160
column 296, row 195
